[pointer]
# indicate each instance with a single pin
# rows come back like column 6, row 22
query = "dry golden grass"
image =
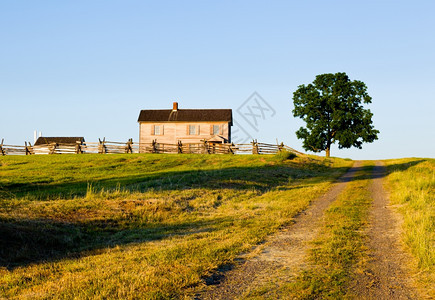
column 411, row 183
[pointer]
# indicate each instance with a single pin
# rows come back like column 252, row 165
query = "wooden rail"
column 16, row 149
column 109, row 147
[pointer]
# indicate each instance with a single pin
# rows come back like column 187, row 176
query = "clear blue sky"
column 86, row 68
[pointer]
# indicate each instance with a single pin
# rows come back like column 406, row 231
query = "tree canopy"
column 331, row 107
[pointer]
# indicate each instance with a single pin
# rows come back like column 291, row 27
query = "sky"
column 87, row 68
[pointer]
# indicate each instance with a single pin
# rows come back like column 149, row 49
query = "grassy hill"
column 149, row 226
column 157, row 226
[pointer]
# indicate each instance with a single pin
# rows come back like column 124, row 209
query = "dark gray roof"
column 59, row 140
column 186, row 115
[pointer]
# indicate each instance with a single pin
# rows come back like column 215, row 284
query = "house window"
column 192, row 130
column 158, row 130
column 216, row 129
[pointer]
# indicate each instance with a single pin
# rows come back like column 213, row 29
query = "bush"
column 285, row 155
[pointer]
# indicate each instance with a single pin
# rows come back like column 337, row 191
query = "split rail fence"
column 108, row 147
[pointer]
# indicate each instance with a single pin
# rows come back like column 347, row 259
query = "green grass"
column 142, row 226
column 339, row 248
column 411, row 183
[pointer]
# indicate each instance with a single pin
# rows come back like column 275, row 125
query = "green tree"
column 332, row 109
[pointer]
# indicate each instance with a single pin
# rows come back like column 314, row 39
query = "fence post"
column 2, row 151
column 206, row 148
column 128, row 148
column 254, row 147
column 230, row 148
column 280, row 147
column 52, row 148
column 28, row 148
column 79, row 147
column 154, row 146
column 102, row 147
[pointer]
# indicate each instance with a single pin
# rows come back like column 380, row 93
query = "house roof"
column 59, row 140
column 186, row 115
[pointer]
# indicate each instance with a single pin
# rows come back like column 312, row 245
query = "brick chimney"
column 175, row 106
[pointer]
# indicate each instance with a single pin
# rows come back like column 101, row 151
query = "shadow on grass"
column 239, row 178
column 31, row 241
column 380, row 171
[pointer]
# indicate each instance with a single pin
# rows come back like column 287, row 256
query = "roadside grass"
column 339, row 249
column 411, row 183
column 142, row 226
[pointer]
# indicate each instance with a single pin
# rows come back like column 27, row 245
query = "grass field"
column 142, row 226
column 411, row 183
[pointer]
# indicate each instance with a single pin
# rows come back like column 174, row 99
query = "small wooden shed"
column 51, row 145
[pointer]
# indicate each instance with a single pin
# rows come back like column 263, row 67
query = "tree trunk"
column 328, row 141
